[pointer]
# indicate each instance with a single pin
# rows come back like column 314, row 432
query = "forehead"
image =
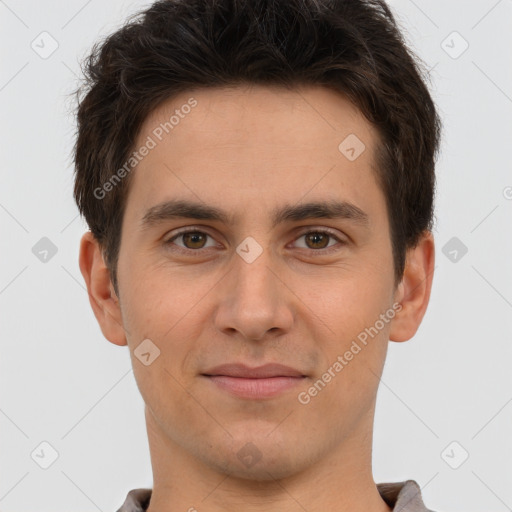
column 239, row 143
column 257, row 114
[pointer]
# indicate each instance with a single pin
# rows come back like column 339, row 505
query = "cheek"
column 353, row 359
column 350, row 304
column 159, row 306
column 154, row 298
column 355, row 344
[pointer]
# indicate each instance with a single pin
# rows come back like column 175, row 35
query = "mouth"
column 262, row 382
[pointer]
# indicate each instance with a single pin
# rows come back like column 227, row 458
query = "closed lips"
column 261, row 372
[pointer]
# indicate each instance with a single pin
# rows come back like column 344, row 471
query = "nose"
column 253, row 300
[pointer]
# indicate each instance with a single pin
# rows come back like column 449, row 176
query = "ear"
column 102, row 297
column 413, row 292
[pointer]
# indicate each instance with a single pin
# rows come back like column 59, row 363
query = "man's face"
column 211, row 298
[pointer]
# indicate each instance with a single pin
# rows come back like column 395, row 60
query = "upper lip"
column 259, row 372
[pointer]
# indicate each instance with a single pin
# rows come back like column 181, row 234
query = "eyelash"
column 321, row 252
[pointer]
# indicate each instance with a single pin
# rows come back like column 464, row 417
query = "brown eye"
column 194, row 240
column 317, row 240
column 190, row 240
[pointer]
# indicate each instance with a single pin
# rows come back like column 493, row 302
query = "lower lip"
column 255, row 388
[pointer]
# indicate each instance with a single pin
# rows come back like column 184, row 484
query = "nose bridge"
column 253, row 301
column 255, row 279
column 254, row 282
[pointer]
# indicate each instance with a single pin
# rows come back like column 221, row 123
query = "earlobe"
column 102, row 296
column 413, row 292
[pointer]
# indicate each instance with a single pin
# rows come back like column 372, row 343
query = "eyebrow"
column 178, row 208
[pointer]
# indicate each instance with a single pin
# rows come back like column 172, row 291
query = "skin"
column 248, row 150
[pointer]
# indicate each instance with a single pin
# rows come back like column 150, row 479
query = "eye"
column 318, row 240
column 192, row 239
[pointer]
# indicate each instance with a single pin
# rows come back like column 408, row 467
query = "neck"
column 342, row 481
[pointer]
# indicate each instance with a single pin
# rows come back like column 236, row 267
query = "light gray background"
column 63, row 383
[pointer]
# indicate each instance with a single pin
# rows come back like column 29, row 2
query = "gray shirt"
column 401, row 496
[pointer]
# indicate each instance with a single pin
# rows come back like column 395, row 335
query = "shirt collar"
column 401, row 496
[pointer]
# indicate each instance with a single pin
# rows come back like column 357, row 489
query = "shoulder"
column 403, row 496
column 137, row 500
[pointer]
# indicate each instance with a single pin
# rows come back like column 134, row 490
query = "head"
column 305, row 136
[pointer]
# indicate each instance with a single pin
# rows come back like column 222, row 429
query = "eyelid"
column 320, row 229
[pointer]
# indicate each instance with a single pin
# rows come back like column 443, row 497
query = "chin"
column 262, row 471
column 256, row 458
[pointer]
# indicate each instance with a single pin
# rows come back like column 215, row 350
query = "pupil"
column 194, row 238
column 315, row 239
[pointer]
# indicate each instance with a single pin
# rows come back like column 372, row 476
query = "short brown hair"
column 353, row 46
